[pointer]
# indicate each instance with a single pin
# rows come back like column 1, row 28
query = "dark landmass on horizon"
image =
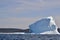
column 11, row 30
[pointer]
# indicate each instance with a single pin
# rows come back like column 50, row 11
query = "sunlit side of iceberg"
column 44, row 26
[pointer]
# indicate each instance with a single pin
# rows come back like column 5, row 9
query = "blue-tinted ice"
column 44, row 25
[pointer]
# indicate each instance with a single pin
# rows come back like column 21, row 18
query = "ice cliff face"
column 44, row 26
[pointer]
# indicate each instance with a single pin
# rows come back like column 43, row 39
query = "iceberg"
column 44, row 26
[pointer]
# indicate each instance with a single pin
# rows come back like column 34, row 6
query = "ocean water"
column 29, row 37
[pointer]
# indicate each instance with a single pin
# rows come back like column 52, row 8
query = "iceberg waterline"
column 44, row 26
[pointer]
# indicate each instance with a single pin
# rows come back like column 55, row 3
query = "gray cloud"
column 13, row 7
column 22, row 22
column 57, row 20
column 19, row 6
column 16, row 22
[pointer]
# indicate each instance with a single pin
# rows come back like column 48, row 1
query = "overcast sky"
column 21, row 13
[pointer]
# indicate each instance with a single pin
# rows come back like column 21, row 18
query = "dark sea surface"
column 29, row 37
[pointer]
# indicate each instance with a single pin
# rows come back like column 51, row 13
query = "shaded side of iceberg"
column 44, row 25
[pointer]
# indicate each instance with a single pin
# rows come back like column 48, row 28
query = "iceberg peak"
column 44, row 25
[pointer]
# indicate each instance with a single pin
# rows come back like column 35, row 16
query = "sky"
column 22, row 13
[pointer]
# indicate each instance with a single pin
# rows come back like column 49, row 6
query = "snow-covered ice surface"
column 44, row 26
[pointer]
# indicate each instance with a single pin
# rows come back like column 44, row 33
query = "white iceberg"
column 44, row 26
